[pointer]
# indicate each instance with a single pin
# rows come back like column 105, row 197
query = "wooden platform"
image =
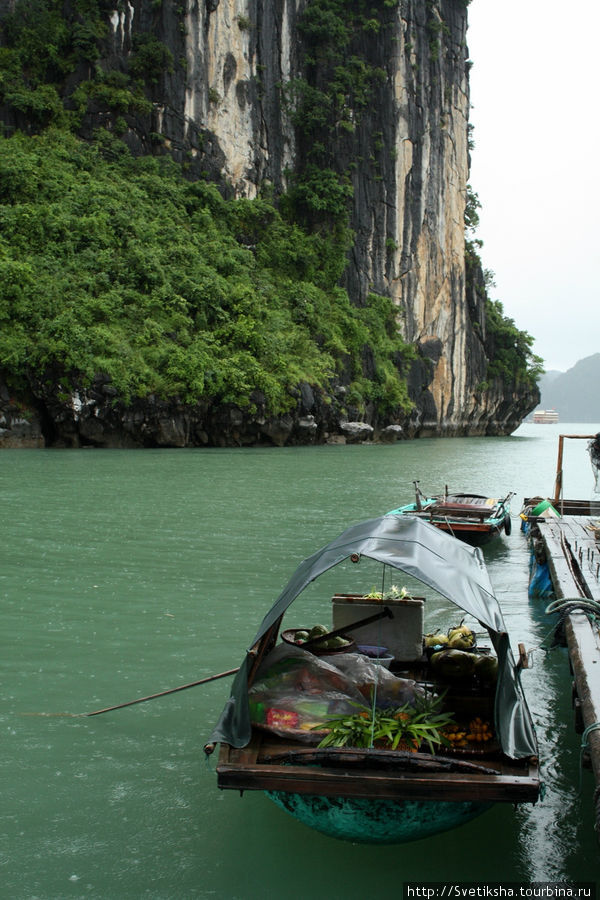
column 573, row 553
column 572, row 546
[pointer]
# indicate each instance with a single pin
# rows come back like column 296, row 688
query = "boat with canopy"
column 277, row 727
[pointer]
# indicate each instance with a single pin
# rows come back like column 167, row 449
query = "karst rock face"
column 219, row 110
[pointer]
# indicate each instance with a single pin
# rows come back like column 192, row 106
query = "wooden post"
column 523, row 661
column 558, row 484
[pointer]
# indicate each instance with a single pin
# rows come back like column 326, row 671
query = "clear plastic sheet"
column 295, row 692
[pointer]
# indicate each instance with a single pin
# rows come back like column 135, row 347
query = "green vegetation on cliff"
column 118, row 266
column 49, row 64
column 511, row 356
column 508, row 349
column 329, row 103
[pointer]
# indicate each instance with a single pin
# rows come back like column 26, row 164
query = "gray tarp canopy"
column 450, row 567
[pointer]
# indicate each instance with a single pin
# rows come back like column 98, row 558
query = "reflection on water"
column 129, row 572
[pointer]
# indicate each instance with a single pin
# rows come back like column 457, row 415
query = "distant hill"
column 547, row 378
column 575, row 393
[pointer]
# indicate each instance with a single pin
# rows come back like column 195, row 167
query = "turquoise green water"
column 124, row 573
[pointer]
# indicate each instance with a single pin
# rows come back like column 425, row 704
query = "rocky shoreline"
column 49, row 415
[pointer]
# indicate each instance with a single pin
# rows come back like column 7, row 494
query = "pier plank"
column 585, row 552
column 573, row 556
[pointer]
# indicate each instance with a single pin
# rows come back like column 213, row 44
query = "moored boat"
column 545, row 417
column 284, row 729
column 473, row 518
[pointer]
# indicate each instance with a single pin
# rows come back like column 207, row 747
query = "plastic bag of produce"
column 371, row 678
column 296, row 693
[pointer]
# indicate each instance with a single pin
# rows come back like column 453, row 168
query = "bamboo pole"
column 99, row 712
column 183, row 687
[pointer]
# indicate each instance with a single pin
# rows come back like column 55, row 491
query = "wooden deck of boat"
column 572, row 546
column 274, row 764
column 479, row 513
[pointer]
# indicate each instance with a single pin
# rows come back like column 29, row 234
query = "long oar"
column 182, row 687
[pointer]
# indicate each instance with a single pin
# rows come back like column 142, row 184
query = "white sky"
column 535, row 96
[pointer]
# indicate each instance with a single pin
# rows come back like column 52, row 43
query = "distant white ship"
column 545, row 417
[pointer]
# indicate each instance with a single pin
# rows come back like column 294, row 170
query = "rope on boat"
column 574, row 604
column 564, row 607
column 551, row 633
column 595, row 726
column 449, row 526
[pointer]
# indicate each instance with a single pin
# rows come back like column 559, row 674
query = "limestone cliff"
column 221, row 108
column 407, row 154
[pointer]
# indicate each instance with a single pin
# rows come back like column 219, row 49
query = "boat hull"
column 476, row 520
column 367, row 821
column 474, row 537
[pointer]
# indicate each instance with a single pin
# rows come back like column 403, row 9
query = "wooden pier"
column 570, row 543
column 572, row 550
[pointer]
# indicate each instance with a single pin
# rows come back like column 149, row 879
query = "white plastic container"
column 384, row 661
column 381, row 656
column 402, row 634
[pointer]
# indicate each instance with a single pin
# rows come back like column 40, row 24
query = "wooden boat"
column 473, row 518
column 377, row 794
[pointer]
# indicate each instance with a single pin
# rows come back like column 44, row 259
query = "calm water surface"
column 125, row 573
